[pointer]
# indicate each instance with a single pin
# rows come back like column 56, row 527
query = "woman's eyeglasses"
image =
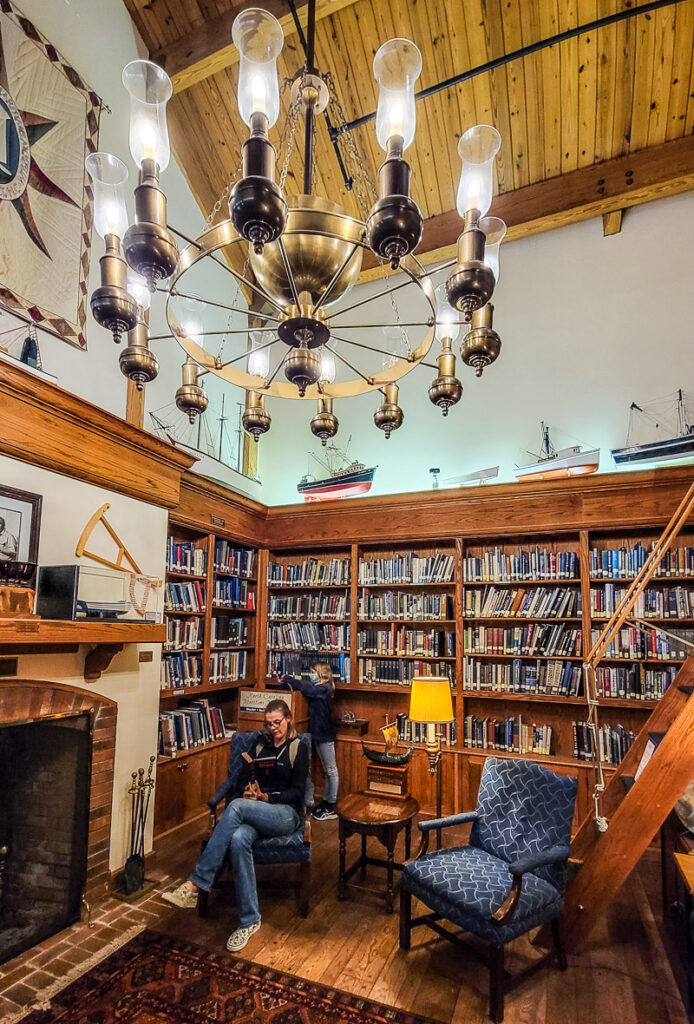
column 274, row 723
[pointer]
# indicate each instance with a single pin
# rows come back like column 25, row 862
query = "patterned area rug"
column 155, row 979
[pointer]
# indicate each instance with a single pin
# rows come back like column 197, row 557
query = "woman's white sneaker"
column 185, row 897
column 238, row 939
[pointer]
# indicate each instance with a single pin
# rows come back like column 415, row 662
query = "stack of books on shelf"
column 398, row 640
column 186, row 556
column 184, row 633
column 233, row 560
column 655, row 602
column 179, row 670
column 511, row 734
column 228, row 666
column 625, row 562
column 613, row 742
column 312, row 572
column 553, row 678
column 402, row 605
column 631, row 643
column 407, row 568
column 228, row 632
column 232, row 592
column 536, row 639
column 496, row 566
column 184, row 597
column 192, row 725
column 540, row 602
column 634, row 683
column 416, row 732
column 299, row 665
column 309, row 636
column 308, row 606
column 400, row 671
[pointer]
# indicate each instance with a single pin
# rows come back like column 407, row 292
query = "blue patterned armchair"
column 511, row 876
column 292, row 849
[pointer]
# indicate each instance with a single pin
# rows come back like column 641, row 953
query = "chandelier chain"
column 244, row 271
column 364, row 188
column 225, row 195
column 289, row 129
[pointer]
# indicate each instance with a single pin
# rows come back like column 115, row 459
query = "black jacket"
column 283, row 781
column 319, row 697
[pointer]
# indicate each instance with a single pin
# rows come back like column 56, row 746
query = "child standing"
column 319, row 693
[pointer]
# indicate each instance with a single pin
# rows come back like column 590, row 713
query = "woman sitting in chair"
column 269, row 801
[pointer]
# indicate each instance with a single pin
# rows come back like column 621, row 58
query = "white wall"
column 67, row 505
column 588, row 325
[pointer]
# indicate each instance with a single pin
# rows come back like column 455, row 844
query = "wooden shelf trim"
column 182, row 755
column 557, row 698
column 83, row 631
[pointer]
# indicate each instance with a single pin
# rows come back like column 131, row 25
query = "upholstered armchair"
column 292, row 849
column 511, row 876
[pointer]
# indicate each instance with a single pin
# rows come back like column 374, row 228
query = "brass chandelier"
column 301, row 254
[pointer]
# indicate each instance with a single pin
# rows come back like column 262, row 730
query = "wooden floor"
column 622, row 978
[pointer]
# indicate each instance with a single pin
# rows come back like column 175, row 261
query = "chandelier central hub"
column 302, row 326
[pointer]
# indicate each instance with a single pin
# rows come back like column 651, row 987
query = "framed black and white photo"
column 20, row 523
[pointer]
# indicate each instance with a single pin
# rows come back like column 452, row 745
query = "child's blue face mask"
column 313, row 676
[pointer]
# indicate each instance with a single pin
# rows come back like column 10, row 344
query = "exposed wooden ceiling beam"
column 626, row 181
column 208, row 49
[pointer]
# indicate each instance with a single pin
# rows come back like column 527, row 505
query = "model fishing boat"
column 551, row 464
column 341, row 479
column 678, row 442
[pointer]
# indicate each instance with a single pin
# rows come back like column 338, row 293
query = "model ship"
column 551, row 464
column 216, row 442
column 390, row 756
column 342, row 479
column 679, row 446
column 472, row 479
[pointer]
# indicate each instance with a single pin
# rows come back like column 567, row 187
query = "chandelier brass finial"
column 256, row 419
column 325, row 423
column 137, row 361
column 389, row 416
column 190, row 397
column 446, row 390
column 481, row 345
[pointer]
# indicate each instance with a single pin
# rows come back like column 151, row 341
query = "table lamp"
column 431, row 704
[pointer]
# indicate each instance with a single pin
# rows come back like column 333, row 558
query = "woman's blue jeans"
column 326, row 752
column 238, row 828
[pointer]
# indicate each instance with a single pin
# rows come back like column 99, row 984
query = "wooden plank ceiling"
column 621, row 97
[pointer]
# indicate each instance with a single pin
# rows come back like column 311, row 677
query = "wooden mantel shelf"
column 37, row 636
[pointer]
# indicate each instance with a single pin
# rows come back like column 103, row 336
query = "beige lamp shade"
column 430, row 700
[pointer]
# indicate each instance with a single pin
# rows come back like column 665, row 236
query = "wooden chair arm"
column 307, row 830
column 421, row 849
column 508, row 908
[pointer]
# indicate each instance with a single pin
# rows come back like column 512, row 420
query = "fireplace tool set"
column 134, row 883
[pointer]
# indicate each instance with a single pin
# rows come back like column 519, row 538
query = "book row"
column 232, row 592
column 556, row 603
column 416, row 732
column 232, row 559
column 312, row 572
column 613, row 742
column 308, row 606
column 651, row 643
column 398, row 640
column 186, row 556
column 511, row 734
column 623, row 562
column 538, row 638
column 182, row 633
column 561, row 678
column 400, row 671
column 655, row 602
column 178, row 670
column 184, row 597
column 309, row 636
column 401, row 605
column 228, row 666
column 226, row 630
column 299, row 664
column 192, row 725
column 496, row 565
column 407, row 568
column 634, row 683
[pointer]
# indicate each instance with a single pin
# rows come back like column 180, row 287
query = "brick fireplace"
column 57, row 747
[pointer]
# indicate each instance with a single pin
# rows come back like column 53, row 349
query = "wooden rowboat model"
column 386, row 757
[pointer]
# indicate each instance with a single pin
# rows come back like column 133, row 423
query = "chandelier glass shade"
column 262, row 299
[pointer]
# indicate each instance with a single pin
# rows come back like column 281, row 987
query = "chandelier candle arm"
column 378, row 295
column 222, row 305
column 249, row 284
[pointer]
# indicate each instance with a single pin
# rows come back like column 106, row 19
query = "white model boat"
column 551, row 464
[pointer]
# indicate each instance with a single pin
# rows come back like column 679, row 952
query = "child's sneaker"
column 185, row 897
column 238, row 939
column 325, row 812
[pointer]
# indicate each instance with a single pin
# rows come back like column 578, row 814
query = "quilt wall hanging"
column 49, row 122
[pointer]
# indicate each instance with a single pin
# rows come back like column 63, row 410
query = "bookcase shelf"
column 525, row 657
column 177, row 574
column 516, row 583
column 407, row 657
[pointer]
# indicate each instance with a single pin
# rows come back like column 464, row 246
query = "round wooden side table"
column 384, row 817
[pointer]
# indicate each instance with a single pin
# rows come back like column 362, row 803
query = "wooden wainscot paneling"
column 605, row 500
column 46, row 426
column 221, row 510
